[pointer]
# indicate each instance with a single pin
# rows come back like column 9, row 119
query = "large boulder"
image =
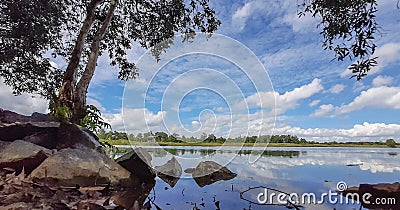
column 70, row 135
column 208, row 172
column 170, row 172
column 138, row 162
column 51, row 135
column 21, row 130
column 21, row 154
column 82, row 166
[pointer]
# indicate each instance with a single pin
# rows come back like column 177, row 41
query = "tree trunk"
column 83, row 84
column 65, row 98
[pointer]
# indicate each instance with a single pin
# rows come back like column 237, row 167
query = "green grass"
column 126, row 142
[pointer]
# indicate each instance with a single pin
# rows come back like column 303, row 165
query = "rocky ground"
column 50, row 165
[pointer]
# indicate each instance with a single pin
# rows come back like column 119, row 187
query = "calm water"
column 291, row 170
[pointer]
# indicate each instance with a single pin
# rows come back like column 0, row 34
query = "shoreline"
column 326, row 145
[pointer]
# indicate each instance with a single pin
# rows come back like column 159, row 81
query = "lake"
column 290, row 170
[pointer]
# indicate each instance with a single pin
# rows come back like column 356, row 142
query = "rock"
column 208, row 172
column 70, row 135
column 138, row 162
column 12, row 117
column 170, row 172
column 21, row 154
column 19, row 131
column 133, row 198
column 383, row 191
column 46, row 139
column 189, row 170
column 82, row 166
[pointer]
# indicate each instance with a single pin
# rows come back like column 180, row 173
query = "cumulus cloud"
column 376, row 97
column 359, row 132
column 379, row 97
column 337, row 88
column 137, row 120
column 387, row 54
column 287, row 101
column 23, row 104
column 323, row 110
column 382, row 81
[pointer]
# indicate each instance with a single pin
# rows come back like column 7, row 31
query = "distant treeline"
column 211, row 138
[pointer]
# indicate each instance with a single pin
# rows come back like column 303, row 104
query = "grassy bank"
column 125, row 142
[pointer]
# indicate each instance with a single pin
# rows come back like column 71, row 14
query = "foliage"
column 93, row 120
column 27, row 30
column 348, row 29
column 391, row 143
column 33, row 30
column 112, row 135
column 61, row 114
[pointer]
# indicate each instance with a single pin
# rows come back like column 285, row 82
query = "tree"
column 348, row 28
column 391, row 143
column 80, row 32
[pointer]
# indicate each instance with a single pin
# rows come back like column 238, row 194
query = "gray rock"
column 138, row 162
column 82, row 166
column 208, row 172
column 170, row 172
column 70, row 135
column 21, row 154
column 189, row 170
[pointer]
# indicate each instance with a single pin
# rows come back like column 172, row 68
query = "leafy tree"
column 81, row 31
column 139, row 137
column 391, row 143
column 348, row 28
column 161, row 136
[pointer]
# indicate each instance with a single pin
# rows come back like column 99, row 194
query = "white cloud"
column 314, row 103
column 243, row 12
column 376, row 97
column 337, row 88
column 195, row 123
column 359, row 132
column 241, row 15
column 305, row 24
column 137, row 120
column 262, row 8
column 23, row 104
column 387, row 54
column 287, row 101
column 96, row 103
column 323, row 110
column 359, row 86
column 382, row 81
column 379, row 97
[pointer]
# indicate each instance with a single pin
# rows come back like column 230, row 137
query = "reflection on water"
column 291, row 170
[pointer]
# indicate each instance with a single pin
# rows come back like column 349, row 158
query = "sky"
column 264, row 72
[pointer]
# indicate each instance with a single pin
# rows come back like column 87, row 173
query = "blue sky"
column 314, row 96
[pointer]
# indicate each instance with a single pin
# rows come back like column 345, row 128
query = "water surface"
column 291, row 170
